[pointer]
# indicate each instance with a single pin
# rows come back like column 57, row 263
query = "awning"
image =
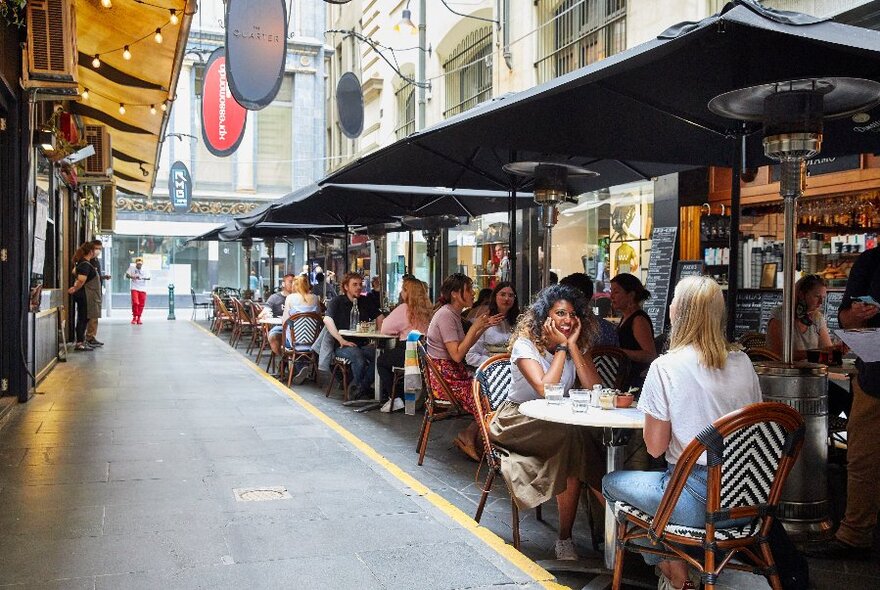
column 148, row 78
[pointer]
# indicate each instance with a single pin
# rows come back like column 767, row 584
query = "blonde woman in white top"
column 300, row 300
column 701, row 379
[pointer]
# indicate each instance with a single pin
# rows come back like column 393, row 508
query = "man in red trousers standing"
column 139, row 277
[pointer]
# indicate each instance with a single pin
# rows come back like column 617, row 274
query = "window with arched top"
column 576, row 33
column 468, row 72
column 406, row 109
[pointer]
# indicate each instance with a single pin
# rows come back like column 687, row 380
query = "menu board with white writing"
column 754, row 308
column 660, row 275
column 832, row 303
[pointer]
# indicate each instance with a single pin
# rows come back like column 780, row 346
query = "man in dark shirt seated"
column 275, row 302
column 356, row 350
column 319, row 288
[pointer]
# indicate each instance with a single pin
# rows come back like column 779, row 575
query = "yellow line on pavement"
column 521, row 561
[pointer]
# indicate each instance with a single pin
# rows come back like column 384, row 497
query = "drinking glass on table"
column 580, row 400
column 553, row 393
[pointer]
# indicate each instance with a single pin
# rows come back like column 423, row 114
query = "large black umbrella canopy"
column 646, row 104
column 368, row 204
column 232, row 232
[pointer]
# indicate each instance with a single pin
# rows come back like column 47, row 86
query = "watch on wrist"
column 559, row 347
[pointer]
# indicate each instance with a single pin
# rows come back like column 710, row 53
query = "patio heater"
column 247, row 243
column 792, row 113
column 550, row 190
column 378, row 232
column 430, row 227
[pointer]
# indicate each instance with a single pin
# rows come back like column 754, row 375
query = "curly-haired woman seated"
column 542, row 459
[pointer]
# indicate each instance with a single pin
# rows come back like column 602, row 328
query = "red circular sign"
column 223, row 119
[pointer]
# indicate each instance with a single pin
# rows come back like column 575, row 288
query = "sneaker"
column 386, row 407
column 397, row 405
column 94, row 342
column 134, row 321
column 565, row 550
column 300, row 377
column 82, row 346
column 837, row 549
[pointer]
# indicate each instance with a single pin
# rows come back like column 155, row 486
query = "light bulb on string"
column 164, row 107
column 152, row 109
column 85, row 94
column 106, row 3
column 174, row 20
column 158, row 35
column 126, row 53
column 96, row 63
column 121, row 109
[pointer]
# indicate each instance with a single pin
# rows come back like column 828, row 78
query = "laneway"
column 122, row 473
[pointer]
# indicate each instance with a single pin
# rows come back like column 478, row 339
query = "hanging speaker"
column 350, row 104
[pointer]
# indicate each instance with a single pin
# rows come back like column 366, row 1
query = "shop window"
column 468, row 72
column 576, row 33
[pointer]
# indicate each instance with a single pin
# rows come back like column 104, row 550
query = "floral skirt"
column 459, row 380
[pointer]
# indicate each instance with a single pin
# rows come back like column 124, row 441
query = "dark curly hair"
column 531, row 323
column 513, row 312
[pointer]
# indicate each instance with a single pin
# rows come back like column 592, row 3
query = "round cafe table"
column 382, row 341
column 614, row 422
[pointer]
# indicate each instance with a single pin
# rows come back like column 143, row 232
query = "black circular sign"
column 256, row 50
column 350, row 104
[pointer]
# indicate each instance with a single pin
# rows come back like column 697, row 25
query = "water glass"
column 580, row 399
column 553, row 393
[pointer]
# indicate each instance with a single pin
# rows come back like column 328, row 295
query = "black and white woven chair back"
column 751, row 460
column 608, row 368
column 495, row 380
column 306, row 328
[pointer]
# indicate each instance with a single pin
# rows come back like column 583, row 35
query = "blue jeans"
column 362, row 360
column 645, row 489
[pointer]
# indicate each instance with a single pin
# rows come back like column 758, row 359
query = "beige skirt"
column 538, row 456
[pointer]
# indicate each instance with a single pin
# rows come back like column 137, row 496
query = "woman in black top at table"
column 635, row 332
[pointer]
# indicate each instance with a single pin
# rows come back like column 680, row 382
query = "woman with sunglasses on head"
column 541, row 460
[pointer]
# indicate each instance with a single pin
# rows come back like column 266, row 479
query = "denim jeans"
column 645, row 489
column 362, row 360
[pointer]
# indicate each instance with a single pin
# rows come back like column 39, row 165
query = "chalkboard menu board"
column 659, row 275
column 832, row 302
column 690, row 268
column 754, row 308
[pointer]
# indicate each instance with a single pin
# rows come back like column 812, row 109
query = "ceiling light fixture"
column 152, row 109
column 406, row 23
column 158, row 35
column 96, row 63
column 126, row 53
column 174, row 20
column 106, row 3
column 164, row 107
column 85, row 94
column 121, row 109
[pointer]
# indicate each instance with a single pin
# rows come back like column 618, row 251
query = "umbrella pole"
column 345, row 248
column 410, row 254
column 733, row 267
column 381, row 256
column 270, row 244
column 511, row 240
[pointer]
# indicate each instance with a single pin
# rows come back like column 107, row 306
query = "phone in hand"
column 867, row 300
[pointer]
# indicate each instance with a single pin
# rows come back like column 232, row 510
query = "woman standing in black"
column 635, row 332
column 84, row 272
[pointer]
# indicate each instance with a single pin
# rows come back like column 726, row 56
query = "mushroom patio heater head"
column 550, row 190
column 793, row 113
column 430, row 227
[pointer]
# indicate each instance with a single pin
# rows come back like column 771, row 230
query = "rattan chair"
column 762, row 354
column 439, row 405
column 341, row 368
column 301, row 330
column 750, row 454
column 242, row 322
column 753, row 340
column 257, row 332
column 612, row 365
column 222, row 316
column 491, row 387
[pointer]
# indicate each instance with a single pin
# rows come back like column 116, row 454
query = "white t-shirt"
column 521, row 390
column 678, row 389
column 138, row 278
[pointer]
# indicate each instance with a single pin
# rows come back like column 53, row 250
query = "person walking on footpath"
column 92, row 327
column 139, row 277
column 86, row 283
column 855, row 536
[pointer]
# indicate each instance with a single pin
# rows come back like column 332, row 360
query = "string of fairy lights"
column 173, row 20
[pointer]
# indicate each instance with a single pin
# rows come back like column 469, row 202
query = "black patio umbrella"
column 648, row 104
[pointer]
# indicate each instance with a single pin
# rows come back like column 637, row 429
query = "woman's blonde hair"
column 419, row 308
column 699, row 321
column 301, row 285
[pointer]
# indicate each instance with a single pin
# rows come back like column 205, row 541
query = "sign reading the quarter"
column 180, row 186
column 256, row 49
column 223, row 119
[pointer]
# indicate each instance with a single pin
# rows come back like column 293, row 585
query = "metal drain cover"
column 261, row 494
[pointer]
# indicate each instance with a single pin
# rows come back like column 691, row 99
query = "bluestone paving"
column 120, row 474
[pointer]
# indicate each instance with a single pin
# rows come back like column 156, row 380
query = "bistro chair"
column 750, row 454
column 243, row 321
column 440, row 404
column 301, row 330
column 222, row 316
column 197, row 305
column 340, row 367
column 612, row 365
column 491, row 387
column 254, row 310
column 762, row 354
column 753, row 340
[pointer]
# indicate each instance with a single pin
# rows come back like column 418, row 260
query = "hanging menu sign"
column 753, row 310
column 660, row 275
column 832, row 303
column 690, row 268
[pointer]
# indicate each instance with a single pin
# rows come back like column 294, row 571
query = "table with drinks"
column 597, row 408
column 382, row 341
